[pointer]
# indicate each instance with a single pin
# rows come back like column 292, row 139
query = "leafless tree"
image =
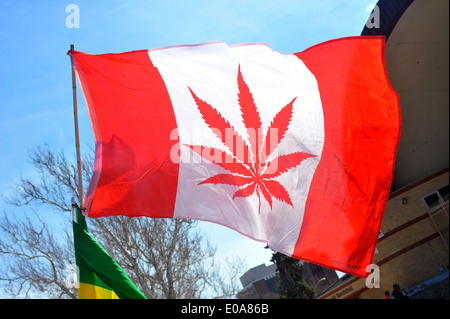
column 226, row 287
column 165, row 258
column 33, row 261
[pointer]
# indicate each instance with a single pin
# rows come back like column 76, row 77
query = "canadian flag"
column 296, row 150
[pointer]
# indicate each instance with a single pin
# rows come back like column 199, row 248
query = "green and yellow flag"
column 99, row 276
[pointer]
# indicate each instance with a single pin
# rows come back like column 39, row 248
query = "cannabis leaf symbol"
column 248, row 162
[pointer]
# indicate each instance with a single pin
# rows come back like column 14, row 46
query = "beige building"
column 412, row 250
column 260, row 282
column 413, row 247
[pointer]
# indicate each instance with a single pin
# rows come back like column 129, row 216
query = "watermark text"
column 73, row 19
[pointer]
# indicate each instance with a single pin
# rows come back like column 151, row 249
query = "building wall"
column 411, row 249
column 265, row 288
column 257, row 273
column 319, row 277
column 259, row 283
column 417, row 63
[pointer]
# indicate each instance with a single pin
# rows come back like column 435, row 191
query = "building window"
column 272, row 284
column 437, row 204
column 443, row 192
column 436, row 198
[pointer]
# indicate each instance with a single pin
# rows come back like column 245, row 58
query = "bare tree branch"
column 33, row 259
column 165, row 258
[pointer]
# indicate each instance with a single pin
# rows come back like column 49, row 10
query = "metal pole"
column 77, row 136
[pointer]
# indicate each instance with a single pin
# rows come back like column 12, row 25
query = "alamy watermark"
column 373, row 279
column 73, row 19
column 71, row 280
column 374, row 18
column 238, row 150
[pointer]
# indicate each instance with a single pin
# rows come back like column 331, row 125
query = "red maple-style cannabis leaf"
column 249, row 162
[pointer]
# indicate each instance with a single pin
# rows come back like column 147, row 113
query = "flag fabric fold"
column 99, row 275
column 295, row 150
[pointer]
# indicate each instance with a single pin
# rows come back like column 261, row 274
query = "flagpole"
column 77, row 136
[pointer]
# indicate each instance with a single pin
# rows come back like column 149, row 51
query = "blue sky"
column 35, row 73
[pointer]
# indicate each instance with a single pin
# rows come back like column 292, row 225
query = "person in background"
column 397, row 293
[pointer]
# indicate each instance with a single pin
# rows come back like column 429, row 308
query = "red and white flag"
column 296, row 150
